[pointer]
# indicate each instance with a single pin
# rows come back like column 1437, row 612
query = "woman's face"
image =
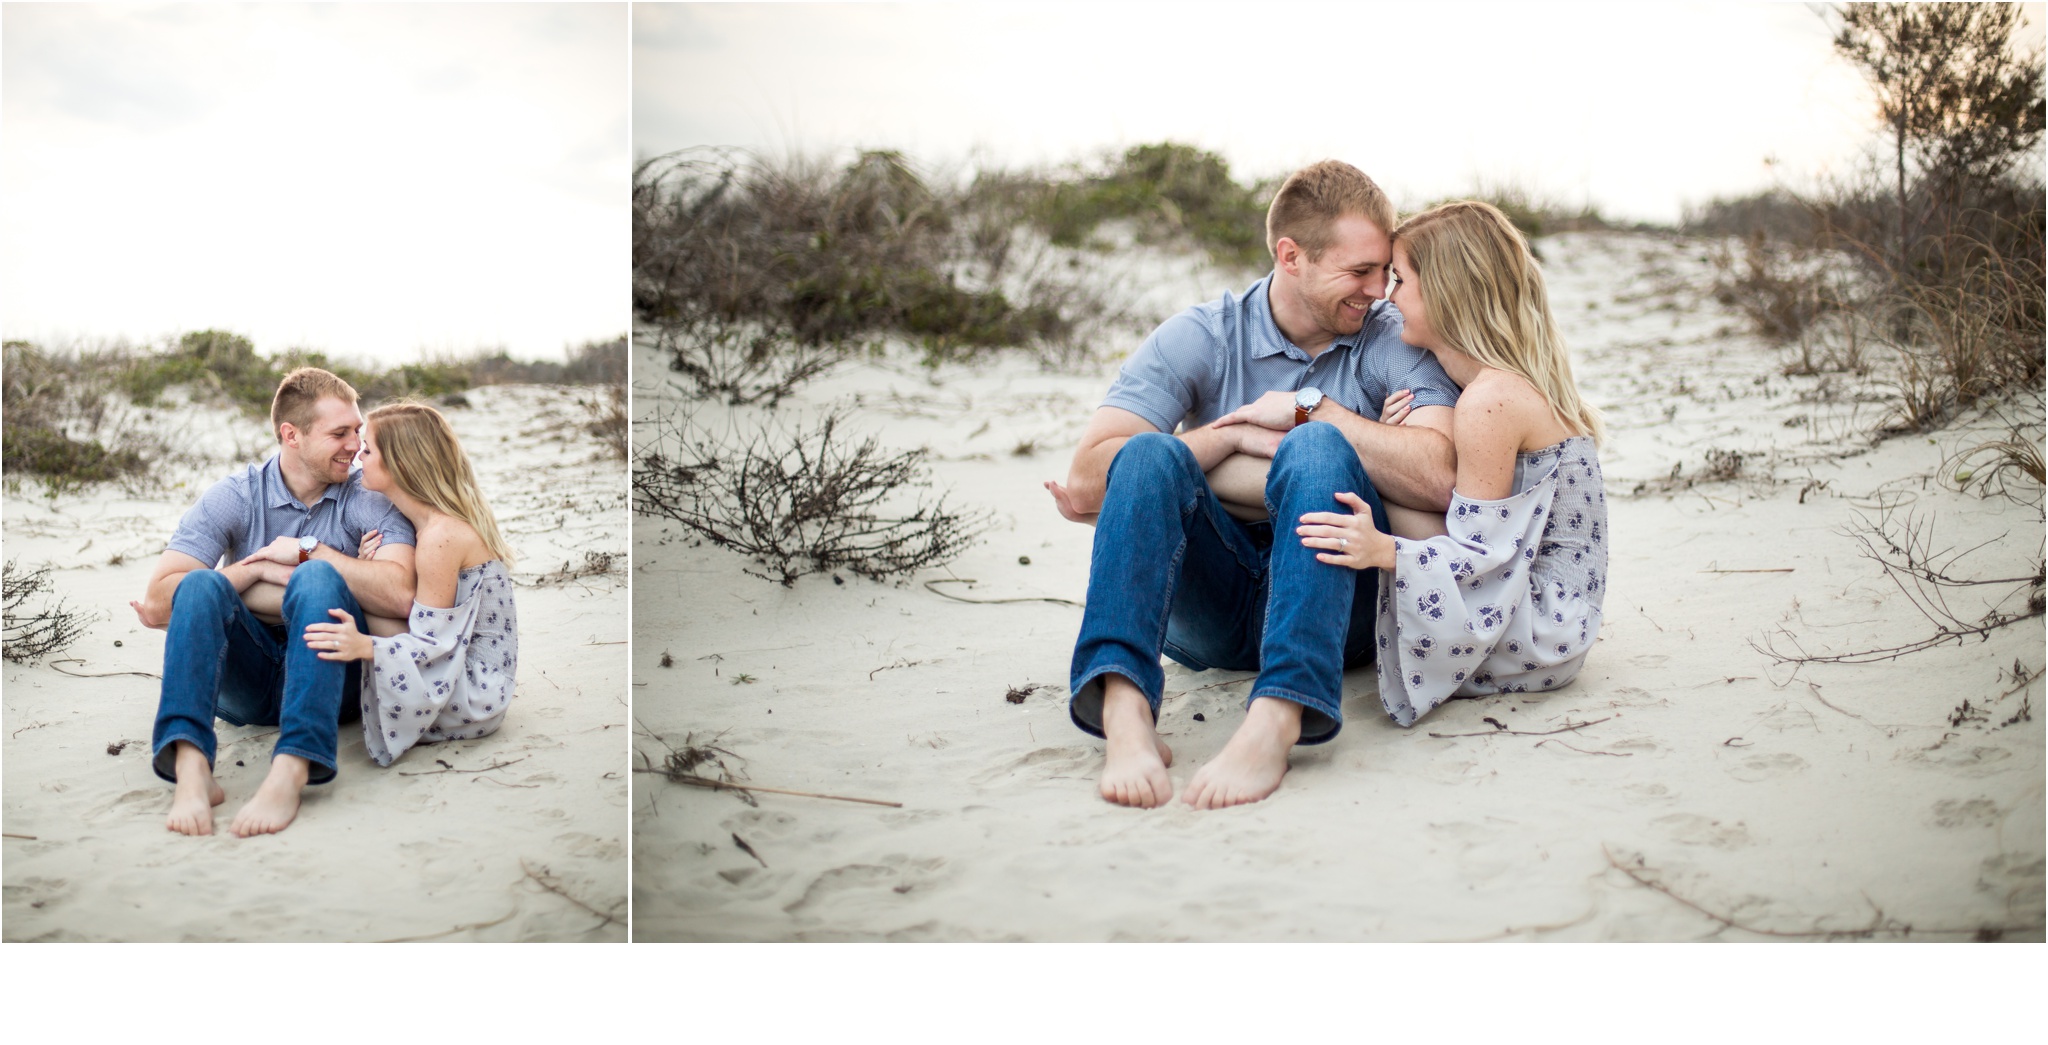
column 372, row 460
column 1407, row 296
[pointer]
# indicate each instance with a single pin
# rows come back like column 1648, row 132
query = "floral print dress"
column 450, row 677
column 1509, row 600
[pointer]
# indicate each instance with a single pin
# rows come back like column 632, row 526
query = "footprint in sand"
column 1759, row 768
column 1693, row 829
column 895, row 876
column 134, row 803
column 1046, row 763
column 1957, row 812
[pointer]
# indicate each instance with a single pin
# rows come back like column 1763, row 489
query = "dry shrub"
column 800, row 501
column 740, row 366
column 34, row 633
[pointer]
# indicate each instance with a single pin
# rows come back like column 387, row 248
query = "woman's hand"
column 1347, row 540
column 371, row 542
column 339, row 641
column 1397, row 407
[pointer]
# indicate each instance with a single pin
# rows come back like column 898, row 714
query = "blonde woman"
column 1508, row 600
column 450, row 675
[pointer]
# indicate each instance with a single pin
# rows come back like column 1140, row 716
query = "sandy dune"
column 442, row 845
column 1686, row 787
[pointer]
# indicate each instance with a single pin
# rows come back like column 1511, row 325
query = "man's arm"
column 1088, row 478
column 154, row 608
column 382, row 585
column 1412, row 464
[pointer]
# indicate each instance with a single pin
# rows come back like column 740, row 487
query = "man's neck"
column 1283, row 299
column 306, row 487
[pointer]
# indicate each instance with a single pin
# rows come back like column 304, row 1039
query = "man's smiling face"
column 327, row 445
column 1340, row 286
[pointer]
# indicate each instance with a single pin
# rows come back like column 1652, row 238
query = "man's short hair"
column 1314, row 197
column 297, row 394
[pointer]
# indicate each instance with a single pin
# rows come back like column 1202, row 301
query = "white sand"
column 404, row 852
column 1831, row 799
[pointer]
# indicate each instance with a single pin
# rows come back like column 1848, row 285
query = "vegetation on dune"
column 62, row 430
column 1933, row 258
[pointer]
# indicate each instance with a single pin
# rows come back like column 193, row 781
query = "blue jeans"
column 1174, row 573
column 221, row 661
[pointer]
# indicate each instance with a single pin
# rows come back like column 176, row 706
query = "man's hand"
column 284, row 550
column 1065, row 503
column 1254, row 440
column 1274, row 410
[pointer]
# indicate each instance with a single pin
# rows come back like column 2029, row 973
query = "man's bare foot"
column 196, row 794
column 276, row 802
column 1134, row 773
column 1249, row 767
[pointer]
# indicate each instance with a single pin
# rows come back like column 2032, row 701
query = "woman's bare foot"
column 1134, row 773
column 276, row 801
column 1249, row 767
column 196, row 794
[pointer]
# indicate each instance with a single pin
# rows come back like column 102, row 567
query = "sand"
column 1686, row 787
column 439, row 846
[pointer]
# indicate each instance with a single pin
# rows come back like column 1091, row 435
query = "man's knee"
column 1317, row 446
column 315, row 585
column 1154, row 456
column 205, row 587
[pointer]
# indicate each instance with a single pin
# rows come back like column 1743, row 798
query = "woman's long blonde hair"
column 1484, row 296
column 422, row 456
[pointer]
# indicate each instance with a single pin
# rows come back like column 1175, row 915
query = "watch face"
column 309, row 543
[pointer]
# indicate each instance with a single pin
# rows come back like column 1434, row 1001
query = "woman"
column 1509, row 599
column 450, row 677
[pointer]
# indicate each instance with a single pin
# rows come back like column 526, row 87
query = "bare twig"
column 1567, row 728
column 1640, row 878
column 452, row 769
column 547, row 882
column 990, row 602
column 726, row 785
column 460, row 928
column 58, row 665
column 1583, row 751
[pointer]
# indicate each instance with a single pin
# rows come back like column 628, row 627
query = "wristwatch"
column 306, row 546
column 1305, row 403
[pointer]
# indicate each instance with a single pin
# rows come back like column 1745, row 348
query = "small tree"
column 1960, row 103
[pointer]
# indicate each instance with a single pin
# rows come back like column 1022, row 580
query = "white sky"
column 373, row 181
column 1636, row 107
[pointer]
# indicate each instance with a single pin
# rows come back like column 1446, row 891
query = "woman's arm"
column 1496, row 415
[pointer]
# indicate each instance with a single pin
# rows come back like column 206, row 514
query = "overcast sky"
column 1636, row 107
column 369, row 180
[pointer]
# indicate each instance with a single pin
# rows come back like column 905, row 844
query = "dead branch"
column 800, row 501
column 991, row 602
column 1566, row 728
column 724, row 785
column 548, row 882
column 1639, row 875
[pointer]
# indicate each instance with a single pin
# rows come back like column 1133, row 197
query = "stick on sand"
column 720, row 785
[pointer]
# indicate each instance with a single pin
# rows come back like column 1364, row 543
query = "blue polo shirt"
column 1216, row 357
column 248, row 510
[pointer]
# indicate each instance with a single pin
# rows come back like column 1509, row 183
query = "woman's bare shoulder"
column 454, row 540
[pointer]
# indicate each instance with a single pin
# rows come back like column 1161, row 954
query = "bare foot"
column 1134, row 773
column 276, row 801
column 1249, row 767
column 196, row 794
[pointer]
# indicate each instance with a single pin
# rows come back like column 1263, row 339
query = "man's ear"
column 287, row 434
column 1288, row 255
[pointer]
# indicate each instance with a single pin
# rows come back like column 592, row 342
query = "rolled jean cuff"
column 1321, row 720
column 164, row 760
column 320, row 769
column 1084, row 702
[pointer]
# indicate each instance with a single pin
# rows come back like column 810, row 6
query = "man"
column 262, row 555
column 1276, row 393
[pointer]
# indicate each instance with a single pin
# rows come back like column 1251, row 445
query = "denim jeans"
column 1174, row 573
column 221, row 661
